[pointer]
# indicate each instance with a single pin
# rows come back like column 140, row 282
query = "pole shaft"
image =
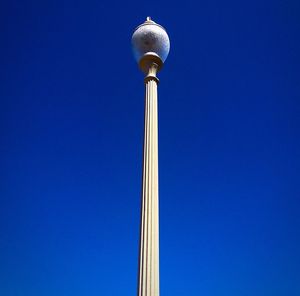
column 148, row 282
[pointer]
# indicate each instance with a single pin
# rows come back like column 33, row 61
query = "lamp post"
column 151, row 46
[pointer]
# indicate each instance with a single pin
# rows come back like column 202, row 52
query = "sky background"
column 71, row 133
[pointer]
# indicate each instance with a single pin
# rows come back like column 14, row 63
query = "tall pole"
column 149, row 237
column 151, row 45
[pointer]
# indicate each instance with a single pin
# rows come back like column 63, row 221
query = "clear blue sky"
column 71, row 124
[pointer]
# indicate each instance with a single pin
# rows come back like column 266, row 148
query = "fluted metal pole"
column 149, row 233
column 151, row 47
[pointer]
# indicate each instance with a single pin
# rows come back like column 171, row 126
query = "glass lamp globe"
column 150, row 41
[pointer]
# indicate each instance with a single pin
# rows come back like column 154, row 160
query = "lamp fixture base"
column 148, row 60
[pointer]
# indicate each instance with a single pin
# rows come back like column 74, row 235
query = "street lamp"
column 151, row 46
